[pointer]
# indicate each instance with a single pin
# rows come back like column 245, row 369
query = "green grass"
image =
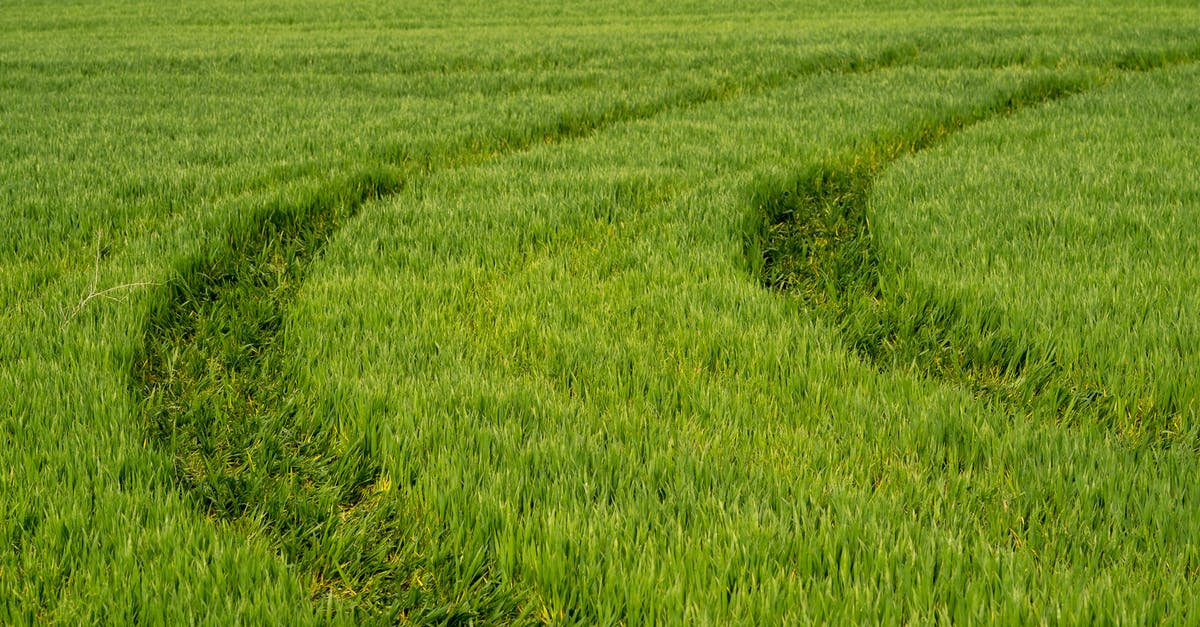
column 1081, row 270
column 458, row 313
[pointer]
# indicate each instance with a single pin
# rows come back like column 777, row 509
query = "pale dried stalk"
column 104, row 293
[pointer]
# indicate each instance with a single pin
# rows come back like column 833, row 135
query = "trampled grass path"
column 217, row 399
column 216, row 389
column 815, row 240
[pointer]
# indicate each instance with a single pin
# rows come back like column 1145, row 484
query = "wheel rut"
column 813, row 239
column 217, row 395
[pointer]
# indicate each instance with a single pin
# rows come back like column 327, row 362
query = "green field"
column 619, row 312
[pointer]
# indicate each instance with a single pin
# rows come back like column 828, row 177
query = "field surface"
column 618, row 312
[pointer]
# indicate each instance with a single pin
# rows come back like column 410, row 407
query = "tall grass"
column 457, row 323
column 595, row 395
column 1084, row 276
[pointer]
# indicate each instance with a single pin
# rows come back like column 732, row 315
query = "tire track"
column 813, row 239
column 218, row 396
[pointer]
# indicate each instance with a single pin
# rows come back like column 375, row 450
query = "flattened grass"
column 1071, row 231
column 596, row 396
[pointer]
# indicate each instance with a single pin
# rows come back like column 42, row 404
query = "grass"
column 460, row 314
column 1079, row 297
column 816, row 240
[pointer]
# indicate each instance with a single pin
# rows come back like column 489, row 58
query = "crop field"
column 704, row 312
